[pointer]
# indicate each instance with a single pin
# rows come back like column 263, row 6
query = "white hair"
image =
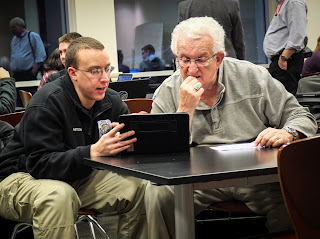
column 197, row 27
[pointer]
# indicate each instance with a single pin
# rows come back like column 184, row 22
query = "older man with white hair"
column 228, row 101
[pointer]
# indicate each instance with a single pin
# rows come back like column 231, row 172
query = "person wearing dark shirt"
column 312, row 64
column 122, row 68
column 150, row 61
column 310, row 81
column 44, row 179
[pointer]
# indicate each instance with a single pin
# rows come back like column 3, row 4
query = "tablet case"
column 158, row 133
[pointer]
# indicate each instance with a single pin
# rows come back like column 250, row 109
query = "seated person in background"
column 122, row 68
column 8, row 93
column 43, row 176
column 64, row 42
column 228, row 101
column 52, row 65
column 150, row 61
column 310, row 81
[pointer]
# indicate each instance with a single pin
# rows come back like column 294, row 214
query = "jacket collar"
column 98, row 107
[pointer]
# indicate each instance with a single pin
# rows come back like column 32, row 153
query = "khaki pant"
column 52, row 205
column 263, row 199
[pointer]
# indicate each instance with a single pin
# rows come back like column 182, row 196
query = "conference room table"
column 203, row 167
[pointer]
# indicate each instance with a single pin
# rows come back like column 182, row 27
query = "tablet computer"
column 158, row 133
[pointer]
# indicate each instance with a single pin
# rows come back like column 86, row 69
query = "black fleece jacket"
column 56, row 133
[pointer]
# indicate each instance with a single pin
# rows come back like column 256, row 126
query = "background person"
column 228, row 101
column 52, row 65
column 310, row 81
column 312, row 63
column 150, row 61
column 27, row 51
column 122, row 68
column 284, row 40
column 227, row 13
column 43, row 176
column 64, row 43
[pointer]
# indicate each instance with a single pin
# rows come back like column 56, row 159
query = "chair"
column 25, row 97
column 139, row 104
column 298, row 169
column 88, row 215
column 12, row 118
column 83, row 215
column 233, row 219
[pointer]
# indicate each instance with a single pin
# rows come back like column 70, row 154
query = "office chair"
column 83, row 215
column 25, row 97
column 298, row 169
column 234, row 220
column 88, row 215
column 310, row 99
column 231, row 219
column 139, row 104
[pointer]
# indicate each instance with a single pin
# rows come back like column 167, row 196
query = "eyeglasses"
column 200, row 62
column 98, row 71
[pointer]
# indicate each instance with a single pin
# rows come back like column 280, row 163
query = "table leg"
column 184, row 211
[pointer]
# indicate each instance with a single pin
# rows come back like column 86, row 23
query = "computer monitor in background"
column 131, row 89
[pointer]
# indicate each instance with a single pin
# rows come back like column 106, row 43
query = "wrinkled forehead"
column 188, row 44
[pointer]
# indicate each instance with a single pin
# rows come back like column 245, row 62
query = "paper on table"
column 229, row 147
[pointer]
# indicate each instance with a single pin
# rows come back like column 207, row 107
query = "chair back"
column 139, row 104
column 25, row 97
column 298, row 169
column 12, row 118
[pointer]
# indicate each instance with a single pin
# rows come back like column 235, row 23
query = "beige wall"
column 313, row 21
column 95, row 18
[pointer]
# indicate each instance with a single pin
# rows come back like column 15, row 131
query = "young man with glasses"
column 43, row 176
column 228, row 101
